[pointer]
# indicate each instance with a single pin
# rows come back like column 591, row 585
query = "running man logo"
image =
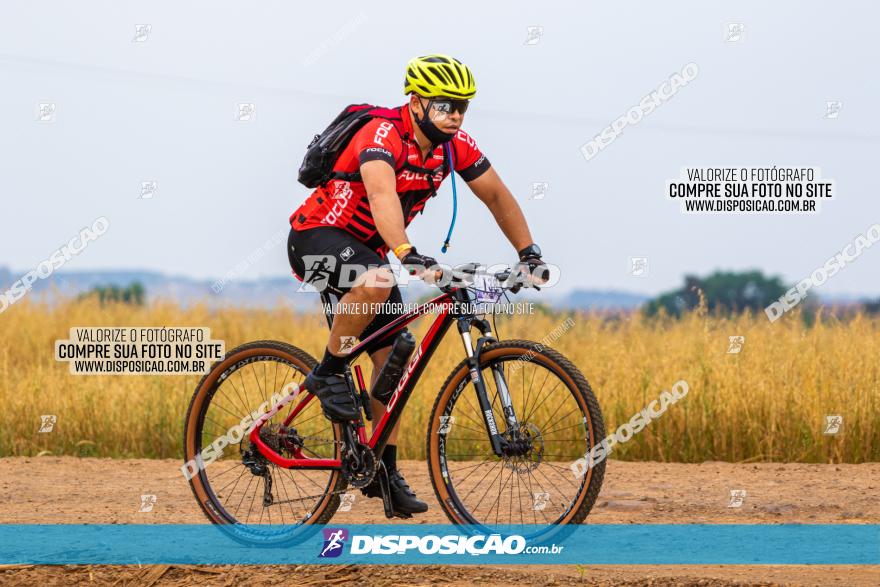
column 345, row 502
column 246, row 111
column 346, row 344
column 47, row 423
column 149, row 189
column 832, row 109
column 147, row 503
column 539, row 190
column 638, row 266
column 142, row 33
column 319, row 268
column 341, row 190
column 735, row 32
column 735, row 344
column 334, row 540
column 540, row 501
column 833, row 424
column 446, row 423
column 737, row 497
column 46, row 112
column 533, row 35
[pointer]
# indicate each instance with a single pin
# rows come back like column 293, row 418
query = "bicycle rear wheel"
column 558, row 416
column 240, row 486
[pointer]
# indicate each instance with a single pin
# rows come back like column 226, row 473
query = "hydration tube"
column 448, row 150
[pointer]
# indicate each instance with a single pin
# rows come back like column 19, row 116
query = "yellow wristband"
column 399, row 249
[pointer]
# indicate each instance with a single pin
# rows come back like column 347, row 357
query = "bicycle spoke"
column 532, row 494
column 295, row 484
column 489, row 486
column 471, row 473
column 579, row 424
column 537, row 394
column 244, row 403
column 535, row 408
column 275, row 483
column 481, row 480
column 250, row 480
column 259, row 387
column 473, row 429
column 567, row 414
column 237, row 479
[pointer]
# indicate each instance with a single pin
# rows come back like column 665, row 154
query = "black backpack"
column 321, row 154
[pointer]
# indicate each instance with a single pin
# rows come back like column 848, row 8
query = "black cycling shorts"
column 324, row 256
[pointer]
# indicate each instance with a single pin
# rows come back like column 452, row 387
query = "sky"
column 162, row 107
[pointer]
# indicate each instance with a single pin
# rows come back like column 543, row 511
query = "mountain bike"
column 504, row 430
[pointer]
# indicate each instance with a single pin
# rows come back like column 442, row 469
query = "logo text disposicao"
column 475, row 545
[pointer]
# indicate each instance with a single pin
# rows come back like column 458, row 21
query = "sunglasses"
column 446, row 106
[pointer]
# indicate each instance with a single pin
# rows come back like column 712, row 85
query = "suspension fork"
column 499, row 443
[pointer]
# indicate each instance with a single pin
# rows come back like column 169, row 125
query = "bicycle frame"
column 421, row 356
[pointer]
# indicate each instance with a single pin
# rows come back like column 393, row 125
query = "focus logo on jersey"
column 463, row 136
column 342, row 195
column 379, row 151
column 413, row 176
column 382, row 132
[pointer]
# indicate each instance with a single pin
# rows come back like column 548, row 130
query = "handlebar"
column 465, row 276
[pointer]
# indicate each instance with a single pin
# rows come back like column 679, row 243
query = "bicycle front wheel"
column 557, row 416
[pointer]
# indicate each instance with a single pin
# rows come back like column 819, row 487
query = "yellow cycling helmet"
column 432, row 76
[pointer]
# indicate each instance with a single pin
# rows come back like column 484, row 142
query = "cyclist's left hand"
column 537, row 271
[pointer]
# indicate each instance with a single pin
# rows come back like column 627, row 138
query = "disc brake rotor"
column 529, row 438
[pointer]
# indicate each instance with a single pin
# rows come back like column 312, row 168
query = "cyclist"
column 393, row 167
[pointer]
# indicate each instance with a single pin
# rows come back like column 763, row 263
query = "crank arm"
column 385, row 488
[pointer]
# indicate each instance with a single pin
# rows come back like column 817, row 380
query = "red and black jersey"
column 344, row 204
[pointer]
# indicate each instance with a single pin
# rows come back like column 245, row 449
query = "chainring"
column 359, row 466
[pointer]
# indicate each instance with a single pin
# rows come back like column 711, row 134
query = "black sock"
column 389, row 457
column 330, row 364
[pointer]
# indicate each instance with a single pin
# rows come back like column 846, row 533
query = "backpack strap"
column 405, row 137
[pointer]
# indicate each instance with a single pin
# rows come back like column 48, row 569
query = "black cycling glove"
column 413, row 260
column 530, row 260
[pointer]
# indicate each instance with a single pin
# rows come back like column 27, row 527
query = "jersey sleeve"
column 378, row 140
column 470, row 162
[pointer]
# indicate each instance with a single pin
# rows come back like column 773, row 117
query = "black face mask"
column 434, row 134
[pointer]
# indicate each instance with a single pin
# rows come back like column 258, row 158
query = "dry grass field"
column 768, row 402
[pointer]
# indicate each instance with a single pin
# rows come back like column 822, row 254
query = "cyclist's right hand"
column 416, row 263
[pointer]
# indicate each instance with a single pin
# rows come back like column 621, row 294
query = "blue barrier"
column 626, row 544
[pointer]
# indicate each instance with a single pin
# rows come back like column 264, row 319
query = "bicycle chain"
column 337, row 492
column 323, row 440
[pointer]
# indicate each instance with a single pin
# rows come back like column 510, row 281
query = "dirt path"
column 70, row 490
